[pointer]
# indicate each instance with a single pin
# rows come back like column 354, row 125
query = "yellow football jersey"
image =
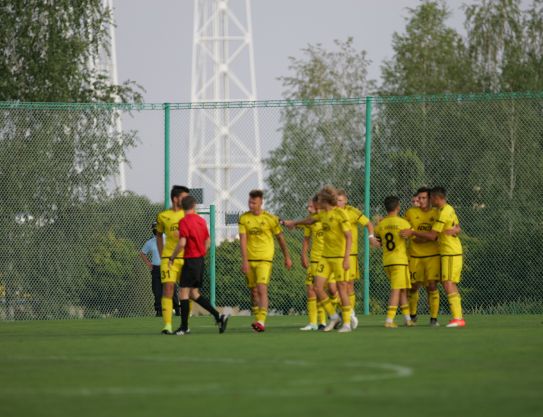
column 168, row 223
column 316, row 234
column 260, row 231
column 448, row 244
column 355, row 217
column 422, row 221
column 394, row 246
column 334, row 225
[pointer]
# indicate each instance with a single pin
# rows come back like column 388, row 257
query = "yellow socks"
column 167, row 306
column 352, row 301
column 261, row 315
column 391, row 313
column 321, row 315
column 455, row 304
column 327, row 306
column 254, row 311
column 404, row 308
column 413, row 299
column 433, row 300
column 312, row 310
column 335, row 301
column 346, row 315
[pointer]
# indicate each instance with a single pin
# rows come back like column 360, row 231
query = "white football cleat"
column 309, row 327
column 330, row 326
column 345, row 329
column 354, row 322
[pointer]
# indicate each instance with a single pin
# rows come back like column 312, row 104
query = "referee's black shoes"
column 223, row 321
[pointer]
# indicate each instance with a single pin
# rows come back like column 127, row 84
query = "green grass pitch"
column 123, row 367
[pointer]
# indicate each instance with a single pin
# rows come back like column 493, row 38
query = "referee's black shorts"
column 192, row 274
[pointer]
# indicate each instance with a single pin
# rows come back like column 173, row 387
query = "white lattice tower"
column 107, row 62
column 224, row 144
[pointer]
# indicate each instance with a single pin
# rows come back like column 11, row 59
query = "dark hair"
column 256, row 194
column 153, row 227
column 391, row 203
column 177, row 190
column 188, row 203
column 439, row 192
column 315, row 198
column 423, row 190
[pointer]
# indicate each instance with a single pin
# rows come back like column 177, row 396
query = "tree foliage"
column 315, row 137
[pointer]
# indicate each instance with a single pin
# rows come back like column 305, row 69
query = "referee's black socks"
column 204, row 302
column 185, row 309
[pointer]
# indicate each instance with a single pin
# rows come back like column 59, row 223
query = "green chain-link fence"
column 70, row 242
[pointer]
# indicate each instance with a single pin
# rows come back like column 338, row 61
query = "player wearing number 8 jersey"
column 395, row 260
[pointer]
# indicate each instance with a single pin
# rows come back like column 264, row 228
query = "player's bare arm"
column 244, row 257
column 431, row 235
column 373, row 240
column 454, row 231
column 283, row 245
column 291, row 224
column 159, row 243
column 348, row 244
column 180, row 246
column 305, row 249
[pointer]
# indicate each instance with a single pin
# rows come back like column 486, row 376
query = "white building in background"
column 224, row 142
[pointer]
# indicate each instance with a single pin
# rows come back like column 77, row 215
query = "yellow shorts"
column 451, row 268
column 425, row 269
column 259, row 273
column 172, row 274
column 310, row 276
column 398, row 276
column 354, row 270
column 332, row 270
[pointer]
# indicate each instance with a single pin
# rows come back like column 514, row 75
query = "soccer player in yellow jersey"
column 395, row 260
column 335, row 258
column 450, row 250
column 257, row 228
column 424, row 259
column 356, row 218
column 168, row 224
column 313, row 236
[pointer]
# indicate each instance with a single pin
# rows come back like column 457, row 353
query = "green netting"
column 71, row 241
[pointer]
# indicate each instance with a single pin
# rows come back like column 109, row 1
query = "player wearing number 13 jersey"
column 395, row 260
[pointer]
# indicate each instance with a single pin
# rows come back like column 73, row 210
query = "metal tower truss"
column 224, row 144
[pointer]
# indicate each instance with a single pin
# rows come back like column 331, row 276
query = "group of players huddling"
column 421, row 249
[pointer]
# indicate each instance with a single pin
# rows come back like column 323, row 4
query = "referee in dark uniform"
column 194, row 238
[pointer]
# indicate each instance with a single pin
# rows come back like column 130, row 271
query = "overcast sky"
column 154, row 48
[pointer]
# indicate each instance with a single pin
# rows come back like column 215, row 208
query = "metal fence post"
column 166, row 155
column 367, row 159
column 212, row 256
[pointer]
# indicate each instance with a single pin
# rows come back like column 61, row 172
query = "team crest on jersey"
column 325, row 227
column 255, row 231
